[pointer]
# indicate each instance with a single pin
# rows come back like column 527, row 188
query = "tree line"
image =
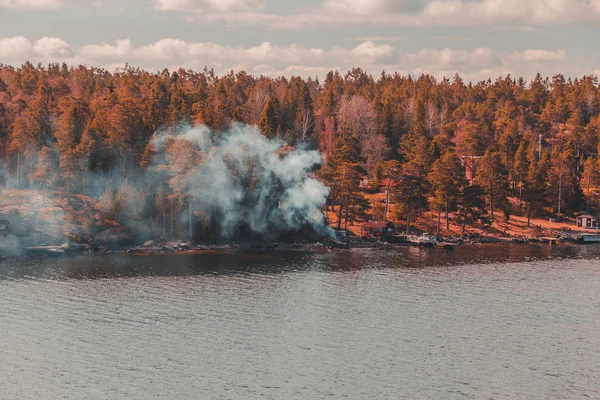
column 535, row 142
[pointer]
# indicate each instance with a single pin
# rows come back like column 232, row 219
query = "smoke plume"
column 240, row 182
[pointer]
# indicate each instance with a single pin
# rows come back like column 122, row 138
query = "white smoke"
column 246, row 181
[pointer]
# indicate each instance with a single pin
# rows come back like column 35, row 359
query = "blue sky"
column 479, row 39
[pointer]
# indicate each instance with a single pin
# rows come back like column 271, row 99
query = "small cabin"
column 587, row 221
column 379, row 229
column 3, row 228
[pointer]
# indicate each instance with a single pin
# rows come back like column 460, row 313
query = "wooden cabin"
column 379, row 229
column 587, row 221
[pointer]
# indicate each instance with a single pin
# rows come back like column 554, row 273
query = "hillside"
column 516, row 227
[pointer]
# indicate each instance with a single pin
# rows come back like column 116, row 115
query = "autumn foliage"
column 536, row 141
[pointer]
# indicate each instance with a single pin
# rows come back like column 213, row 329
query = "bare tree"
column 432, row 119
column 256, row 103
column 306, row 123
column 374, row 150
column 356, row 117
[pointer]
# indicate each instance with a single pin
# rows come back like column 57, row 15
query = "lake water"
column 481, row 322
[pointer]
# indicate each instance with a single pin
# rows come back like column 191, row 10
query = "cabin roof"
column 586, row 216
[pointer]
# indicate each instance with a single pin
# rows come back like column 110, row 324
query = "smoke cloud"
column 243, row 182
column 193, row 183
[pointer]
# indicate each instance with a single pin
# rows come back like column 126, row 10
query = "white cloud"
column 208, row 5
column 47, row 3
column 375, row 54
column 370, row 7
column 380, row 38
column 483, row 63
column 463, row 59
column 543, row 56
column 171, row 49
column 52, row 48
column 121, row 48
column 518, row 13
column 273, row 60
column 15, row 47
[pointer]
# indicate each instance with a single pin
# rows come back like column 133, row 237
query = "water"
column 479, row 322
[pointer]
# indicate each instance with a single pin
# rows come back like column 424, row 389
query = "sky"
column 479, row 39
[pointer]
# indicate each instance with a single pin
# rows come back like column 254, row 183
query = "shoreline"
column 200, row 249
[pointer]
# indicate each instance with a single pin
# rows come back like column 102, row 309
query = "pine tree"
column 269, row 120
column 471, row 205
column 493, row 178
column 447, row 177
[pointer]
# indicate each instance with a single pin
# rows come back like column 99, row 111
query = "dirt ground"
column 516, row 227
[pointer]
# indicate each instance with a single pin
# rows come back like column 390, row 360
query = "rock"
column 148, row 243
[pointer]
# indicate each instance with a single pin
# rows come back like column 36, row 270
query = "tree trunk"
column 18, row 168
column 165, row 218
column 528, row 216
column 447, row 220
column 68, row 189
column 492, row 201
column 190, row 219
column 346, row 223
column 387, row 201
column 559, row 195
column 7, row 173
column 439, row 227
column 408, row 219
column 340, row 215
column 521, row 193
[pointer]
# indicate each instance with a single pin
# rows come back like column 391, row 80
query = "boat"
column 53, row 250
column 588, row 238
column 424, row 240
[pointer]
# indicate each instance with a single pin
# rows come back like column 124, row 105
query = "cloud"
column 47, row 3
column 380, row 38
column 543, row 56
column 121, row 48
column 176, row 49
column 370, row 7
column 485, row 63
column 375, row 54
column 52, row 48
column 518, row 13
column 294, row 60
column 445, row 58
column 208, row 5
column 15, row 47
column 46, row 49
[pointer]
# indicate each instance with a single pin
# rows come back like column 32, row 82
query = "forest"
column 84, row 131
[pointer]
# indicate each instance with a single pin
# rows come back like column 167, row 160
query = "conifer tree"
column 447, row 177
column 269, row 120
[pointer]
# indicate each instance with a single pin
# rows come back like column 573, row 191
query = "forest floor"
column 516, row 227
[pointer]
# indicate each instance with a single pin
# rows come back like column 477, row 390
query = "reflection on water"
column 120, row 265
column 494, row 321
